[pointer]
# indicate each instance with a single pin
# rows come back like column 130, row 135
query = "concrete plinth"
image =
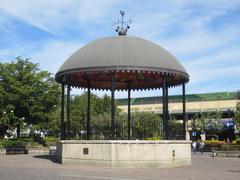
column 117, row 153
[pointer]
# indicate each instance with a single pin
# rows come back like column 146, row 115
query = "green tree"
column 237, row 116
column 207, row 122
column 175, row 129
column 146, row 125
column 100, row 112
column 31, row 93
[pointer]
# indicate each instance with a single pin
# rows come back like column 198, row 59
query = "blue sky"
column 204, row 35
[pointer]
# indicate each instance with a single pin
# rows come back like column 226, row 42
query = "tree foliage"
column 175, row 129
column 28, row 92
column 237, row 116
column 30, row 96
column 100, row 112
column 207, row 122
column 144, row 124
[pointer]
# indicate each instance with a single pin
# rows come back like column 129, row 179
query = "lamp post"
column 229, row 127
column 229, row 117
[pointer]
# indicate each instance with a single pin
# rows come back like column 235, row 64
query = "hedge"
column 215, row 142
column 230, row 147
column 152, row 138
column 238, row 141
column 1, row 144
column 14, row 144
column 211, row 145
column 50, row 140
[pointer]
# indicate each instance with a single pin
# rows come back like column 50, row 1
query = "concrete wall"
column 125, row 153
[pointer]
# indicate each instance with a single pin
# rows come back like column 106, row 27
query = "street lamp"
column 229, row 122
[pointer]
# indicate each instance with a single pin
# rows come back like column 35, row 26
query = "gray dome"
column 122, row 53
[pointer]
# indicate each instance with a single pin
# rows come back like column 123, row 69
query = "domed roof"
column 121, row 54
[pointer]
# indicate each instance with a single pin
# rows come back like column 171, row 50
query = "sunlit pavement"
column 204, row 167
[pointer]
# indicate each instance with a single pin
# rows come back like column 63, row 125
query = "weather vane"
column 122, row 31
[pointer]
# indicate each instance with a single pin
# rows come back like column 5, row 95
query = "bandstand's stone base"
column 123, row 153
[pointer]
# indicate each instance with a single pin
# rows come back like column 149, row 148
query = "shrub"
column 1, row 144
column 238, row 141
column 14, row 143
column 229, row 147
column 26, row 139
column 39, row 139
column 211, row 145
column 215, row 142
column 50, row 140
column 152, row 138
column 31, row 143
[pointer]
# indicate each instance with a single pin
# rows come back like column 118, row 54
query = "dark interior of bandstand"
column 113, row 80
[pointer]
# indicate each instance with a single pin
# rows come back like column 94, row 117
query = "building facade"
column 195, row 103
column 223, row 103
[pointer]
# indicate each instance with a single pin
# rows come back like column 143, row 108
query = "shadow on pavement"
column 236, row 171
column 48, row 157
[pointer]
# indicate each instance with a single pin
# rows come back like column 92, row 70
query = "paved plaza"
column 27, row 167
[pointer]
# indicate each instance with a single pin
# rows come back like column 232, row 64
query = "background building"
column 222, row 103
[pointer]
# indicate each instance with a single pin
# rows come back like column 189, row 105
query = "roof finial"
column 122, row 31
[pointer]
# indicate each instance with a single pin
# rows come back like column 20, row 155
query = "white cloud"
column 183, row 27
column 54, row 53
column 201, row 75
column 4, row 53
column 222, row 65
column 54, row 16
column 50, row 56
column 223, row 57
column 202, row 41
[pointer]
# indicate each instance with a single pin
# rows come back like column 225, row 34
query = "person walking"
column 194, row 146
column 202, row 145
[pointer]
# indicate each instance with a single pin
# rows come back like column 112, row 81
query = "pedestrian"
column 202, row 145
column 194, row 146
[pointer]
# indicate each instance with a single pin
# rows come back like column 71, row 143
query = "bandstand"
column 122, row 63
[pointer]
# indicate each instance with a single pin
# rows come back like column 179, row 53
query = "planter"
column 16, row 150
column 211, row 147
column 230, row 147
column 38, row 151
column 2, row 151
column 125, row 153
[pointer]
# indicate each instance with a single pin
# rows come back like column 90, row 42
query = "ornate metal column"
column 88, row 111
column 164, row 103
column 129, row 111
column 113, row 107
column 68, row 107
column 167, row 112
column 62, row 114
column 184, row 110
